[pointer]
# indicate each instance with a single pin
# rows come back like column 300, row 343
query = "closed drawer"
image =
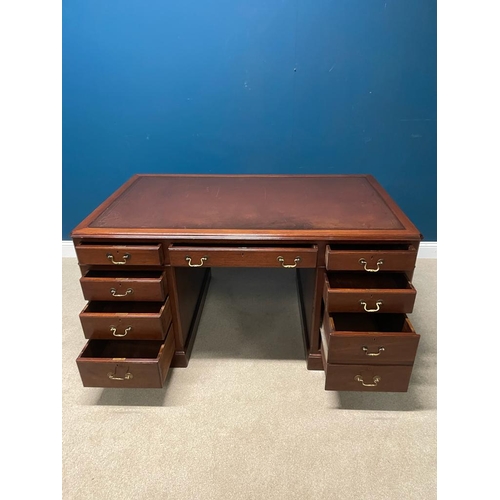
column 129, row 363
column 126, row 320
column 124, row 285
column 368, row 378
column 120, row 255
column 371, row 258
column 242, row 257
column 375, row 339
column 368, row 292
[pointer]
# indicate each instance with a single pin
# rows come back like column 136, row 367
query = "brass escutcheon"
column 124, row 261
column 380, row 350
column 282, row 261
column 113, row 331
column 202, row 261
column 378, row 304
column 379, row 263
column 114, row 294
column 112, row 376
column 376, row 380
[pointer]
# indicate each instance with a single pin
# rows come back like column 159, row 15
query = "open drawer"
column 389, row 292
column 124, row 285
column 129, row 363
column 126, row 320
column 373, row 339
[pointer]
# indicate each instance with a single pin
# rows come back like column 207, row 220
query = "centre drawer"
column 124, row 286
column 287, row 257
column 375, row 339
column 129, row 363
column 389, row 292
column 126, row 320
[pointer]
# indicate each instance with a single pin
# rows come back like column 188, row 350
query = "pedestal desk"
column 146, row 253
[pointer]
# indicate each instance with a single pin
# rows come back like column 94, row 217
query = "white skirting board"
column 427, row 249
column 68, row 250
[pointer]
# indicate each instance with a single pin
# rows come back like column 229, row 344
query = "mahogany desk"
column 145, row 256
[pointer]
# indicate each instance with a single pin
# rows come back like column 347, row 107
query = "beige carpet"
column 246, row 420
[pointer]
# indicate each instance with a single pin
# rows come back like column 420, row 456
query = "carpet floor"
column 246, row 419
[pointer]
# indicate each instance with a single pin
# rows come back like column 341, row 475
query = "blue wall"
column 249, row 86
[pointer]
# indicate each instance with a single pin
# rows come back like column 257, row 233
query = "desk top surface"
column 249, row 206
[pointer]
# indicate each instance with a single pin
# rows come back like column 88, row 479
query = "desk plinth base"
column 181, row 357
column 314, row 362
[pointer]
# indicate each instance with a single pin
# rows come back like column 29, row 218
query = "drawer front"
column 242, row 257
column 361, row 292
column 145, row 322
column 124, row 288
column 369, row 378
column 370, row 301
column 149, row 371
column 119, row 255
column 369, row 347
column 370, row 260
column 373, row 349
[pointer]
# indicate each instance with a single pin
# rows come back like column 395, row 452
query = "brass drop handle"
column 380, row 350
column 202, row 261
column 379, row 263
column 282, row 261
column 127, row 376
column 119, row 262
column 378, row 304
column 113, row 331
column 114, row 294
column 376, row 380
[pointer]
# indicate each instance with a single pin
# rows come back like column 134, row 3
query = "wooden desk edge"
column 410, row 232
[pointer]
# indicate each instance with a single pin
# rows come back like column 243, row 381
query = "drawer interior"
column 97, row 273
column 359, row 322
column 146, row 349
column 371, row 246
column 241, row 246
column 121, row 244
column 124, row 307
column 363, row 280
